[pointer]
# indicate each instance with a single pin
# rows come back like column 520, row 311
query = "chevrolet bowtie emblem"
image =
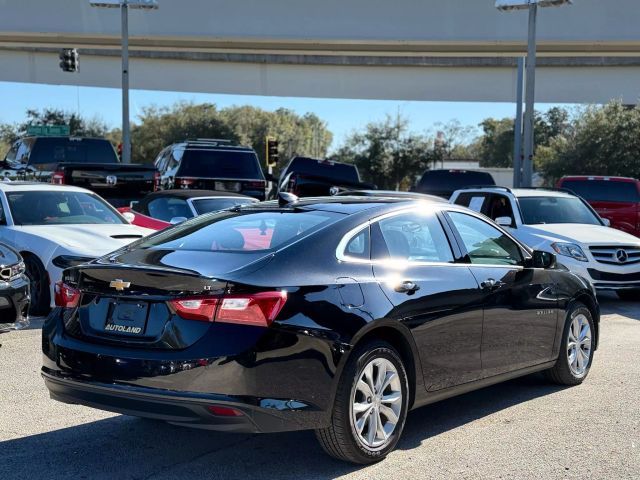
column 119, row 285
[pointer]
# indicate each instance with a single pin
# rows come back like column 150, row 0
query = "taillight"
column 260, row 185
column 156, row 181
column 185, row 182
column 58, row 177
column 258, row 309
column 66, row 296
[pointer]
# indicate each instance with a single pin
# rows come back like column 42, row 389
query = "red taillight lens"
column 202, row 309
column 258, row 309
column 66, row 296
column 224, row 411
column 57, row 178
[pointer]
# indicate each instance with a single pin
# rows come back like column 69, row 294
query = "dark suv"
column 444, row 182
column 206, row 164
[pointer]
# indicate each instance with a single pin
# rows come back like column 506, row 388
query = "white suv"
column 564, row 224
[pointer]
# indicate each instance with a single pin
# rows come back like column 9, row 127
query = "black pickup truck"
column 91, row 163
column 310, row 177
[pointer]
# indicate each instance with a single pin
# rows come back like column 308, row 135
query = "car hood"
column 98, row 239
column 577, row 233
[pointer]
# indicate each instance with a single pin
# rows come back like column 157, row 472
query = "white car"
column 564, row 224
column 55, row 227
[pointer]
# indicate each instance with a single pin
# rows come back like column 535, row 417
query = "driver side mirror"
column 177, row 220
column 543, row 259
column 607, row 222
column 504, row 221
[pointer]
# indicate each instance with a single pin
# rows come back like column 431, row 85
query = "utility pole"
column 517, row 150
column 126, row 125
column 529, row 118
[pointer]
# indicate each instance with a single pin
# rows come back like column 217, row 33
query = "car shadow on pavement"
column 611, row 305
column 125, row 447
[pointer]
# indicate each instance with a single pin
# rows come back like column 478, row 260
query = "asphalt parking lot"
column 522, row 429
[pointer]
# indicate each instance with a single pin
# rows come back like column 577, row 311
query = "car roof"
column 391, row 194
column 521, row 192
column 598, row 177
column 38, row 187
column 187, row 193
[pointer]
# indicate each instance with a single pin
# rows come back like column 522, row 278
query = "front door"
column 520, row 305
column 438, row 300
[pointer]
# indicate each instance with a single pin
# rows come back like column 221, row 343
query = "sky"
column 342, row 116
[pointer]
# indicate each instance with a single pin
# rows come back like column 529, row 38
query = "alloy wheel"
column 376, row 403
column 579, row 345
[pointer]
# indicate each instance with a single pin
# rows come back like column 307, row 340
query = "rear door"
column 520, row 305
column 437, row 299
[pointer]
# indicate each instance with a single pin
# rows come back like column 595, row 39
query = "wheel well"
column 398, row 341
column 591, row 305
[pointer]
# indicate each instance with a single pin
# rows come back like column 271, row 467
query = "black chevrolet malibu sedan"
column 14, row 290
column 336, row 314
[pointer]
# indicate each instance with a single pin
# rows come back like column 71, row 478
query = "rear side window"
column 359, row 246
column 473, row 201
column 413, row 237
column 241, row 231
column 60, row 150
column 223, row 164
column 604, row 190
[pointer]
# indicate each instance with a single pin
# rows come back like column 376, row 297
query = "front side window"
column 484, row 243
column 241, row 231
column 60, row 208
column 550, row 210
column 414, row 237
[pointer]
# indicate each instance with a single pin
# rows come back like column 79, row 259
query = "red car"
column 164, row 208
column 616, row 199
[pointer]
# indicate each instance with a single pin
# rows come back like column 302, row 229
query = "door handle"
column 491, row 284
column 407, row 286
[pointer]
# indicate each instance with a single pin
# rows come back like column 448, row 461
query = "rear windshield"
column 341, row 172
column 446, row 181
column 603, row 190
column 240, row 231
column 549, row 210
column 208, row 205
column 81, row 150
column 220, row 164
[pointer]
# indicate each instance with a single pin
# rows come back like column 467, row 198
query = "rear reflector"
column 224, row 411
column 66, row 296
column 259, row 309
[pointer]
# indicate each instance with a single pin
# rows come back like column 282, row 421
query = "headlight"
column 67, row 261
column 570, row 250
column 9, row 273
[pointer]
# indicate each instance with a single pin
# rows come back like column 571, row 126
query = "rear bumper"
column 179, row 408
column 14, row 304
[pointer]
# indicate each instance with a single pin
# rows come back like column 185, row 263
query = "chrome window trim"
column 342, row 245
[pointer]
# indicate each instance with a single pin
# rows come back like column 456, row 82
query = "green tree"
column 387, row 153
column 601, row 140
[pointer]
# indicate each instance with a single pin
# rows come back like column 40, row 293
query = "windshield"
column 240, row 231
column 220, row 164
column 604, row 190
column 72, row 150
column 60, row 208
column 208, row 205
column 548, row 210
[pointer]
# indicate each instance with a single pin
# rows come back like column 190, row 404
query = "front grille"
column 616, row 255
column 597, row 275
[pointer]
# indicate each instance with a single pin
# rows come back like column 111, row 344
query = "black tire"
column 340, row 439
column 562, row 373
column 40, row 295
column 632, row 295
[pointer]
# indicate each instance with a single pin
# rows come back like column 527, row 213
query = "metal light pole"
column 529, row 119
column 124, row 6
column 517, row 143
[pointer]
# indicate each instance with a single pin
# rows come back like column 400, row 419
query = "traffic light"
column 272, row 152
column 70, row 60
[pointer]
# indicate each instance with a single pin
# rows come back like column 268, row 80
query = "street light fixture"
column 532, row 6
column 124, row 6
